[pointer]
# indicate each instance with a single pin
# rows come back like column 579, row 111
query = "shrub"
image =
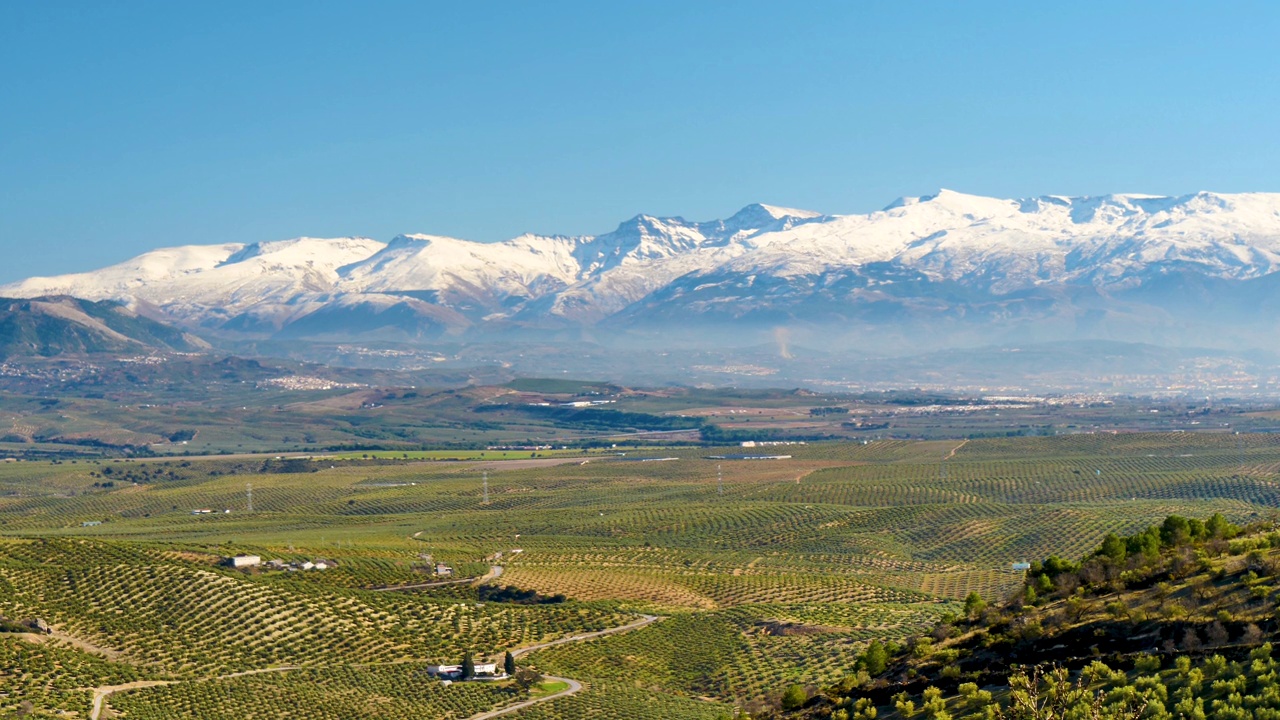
column 874, row 658
column 1147, row 663
column 794, row 697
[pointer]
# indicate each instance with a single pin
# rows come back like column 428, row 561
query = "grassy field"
column 766, row 572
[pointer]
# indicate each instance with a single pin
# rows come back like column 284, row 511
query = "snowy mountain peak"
column 761, row 214
column 326, row 251
column 939, row 253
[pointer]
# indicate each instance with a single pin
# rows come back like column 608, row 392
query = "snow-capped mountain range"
column 1045, row 267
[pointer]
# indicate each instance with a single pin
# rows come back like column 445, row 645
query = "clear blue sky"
column 129, row 126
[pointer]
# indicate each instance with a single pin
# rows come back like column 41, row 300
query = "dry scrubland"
column 781, row 578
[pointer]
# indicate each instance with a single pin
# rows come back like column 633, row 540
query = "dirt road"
column 495, row 572
column 574, row 687
column 100, row 694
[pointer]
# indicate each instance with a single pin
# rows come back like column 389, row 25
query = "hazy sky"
column 128, row 126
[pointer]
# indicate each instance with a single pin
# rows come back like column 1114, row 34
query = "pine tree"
column 509, row 663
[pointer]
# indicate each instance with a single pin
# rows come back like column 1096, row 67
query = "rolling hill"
column 51, row 326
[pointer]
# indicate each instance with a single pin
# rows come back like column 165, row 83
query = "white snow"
column 998, row 244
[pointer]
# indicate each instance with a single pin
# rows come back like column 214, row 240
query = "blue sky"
column 129, row 126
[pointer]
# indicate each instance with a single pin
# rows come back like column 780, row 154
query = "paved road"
column 574, row 686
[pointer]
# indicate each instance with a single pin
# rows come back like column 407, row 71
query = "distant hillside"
column 50, row 326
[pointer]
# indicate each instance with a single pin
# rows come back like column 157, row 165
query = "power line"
column 486, row 487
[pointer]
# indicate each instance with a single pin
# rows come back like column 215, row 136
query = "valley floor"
column 777, row 572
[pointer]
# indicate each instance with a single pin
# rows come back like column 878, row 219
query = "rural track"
column 574, row 687
column 100, row 694
column 495, row 572
column 643, row 621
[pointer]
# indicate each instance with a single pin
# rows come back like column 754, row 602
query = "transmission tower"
column 719, row 481
column 486, row 487
column 248, row 491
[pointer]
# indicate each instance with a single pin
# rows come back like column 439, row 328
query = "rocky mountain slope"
column 69, row 326
column 947, row 267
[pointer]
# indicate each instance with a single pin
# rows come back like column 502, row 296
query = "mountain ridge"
column 944, row 263
column 51, row 326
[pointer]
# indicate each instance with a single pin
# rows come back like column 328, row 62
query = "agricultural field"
column 195, row 405
column 760, row 573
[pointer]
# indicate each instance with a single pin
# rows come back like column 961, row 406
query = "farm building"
column 244, row 561
column 443, row 570
column 483, row 670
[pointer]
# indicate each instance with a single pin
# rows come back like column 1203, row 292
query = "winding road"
column 574, row 686
column 100, row 694
column 644, row 620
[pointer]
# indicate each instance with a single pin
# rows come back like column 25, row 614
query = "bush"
column 1147, row 663
column 974, row 605
column 794, row 698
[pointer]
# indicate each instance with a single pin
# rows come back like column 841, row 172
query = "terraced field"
column 778, row 575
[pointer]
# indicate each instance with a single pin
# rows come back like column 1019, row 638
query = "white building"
column 243, row 561
column 483, row 670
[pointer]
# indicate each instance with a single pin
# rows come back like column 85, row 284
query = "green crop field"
column 769, row 573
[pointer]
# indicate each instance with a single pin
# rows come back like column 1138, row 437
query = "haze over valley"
column 776, row 288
